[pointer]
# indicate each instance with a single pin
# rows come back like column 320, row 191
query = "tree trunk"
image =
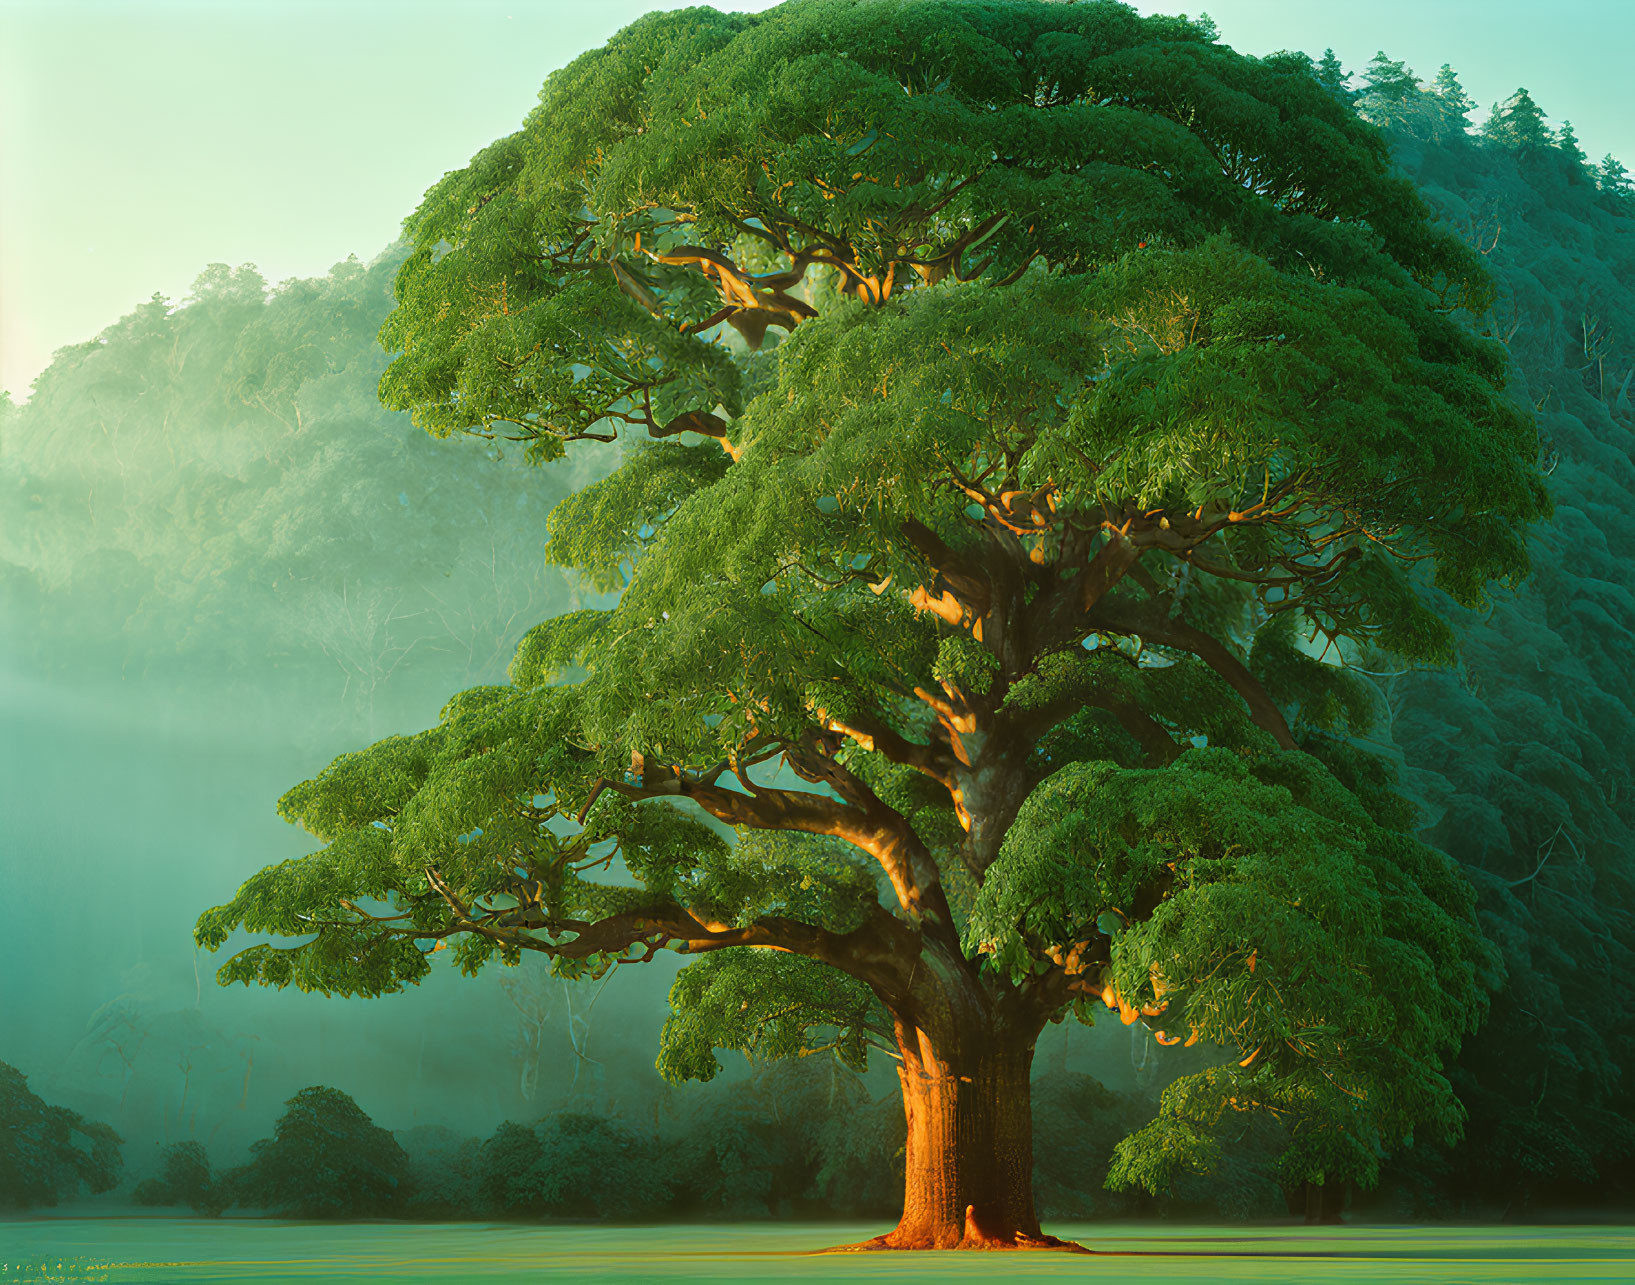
column 968, row 1180
column 1321, row 1203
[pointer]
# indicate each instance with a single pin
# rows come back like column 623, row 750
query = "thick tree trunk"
column 968, row 1181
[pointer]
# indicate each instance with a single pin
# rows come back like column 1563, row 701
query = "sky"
column 143, row 139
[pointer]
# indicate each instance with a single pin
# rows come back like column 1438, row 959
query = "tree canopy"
column 47, row 1152
column 326, row 1159
column 185, row 1178
column 968, row 637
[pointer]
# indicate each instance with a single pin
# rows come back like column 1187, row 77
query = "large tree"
column 958, row 677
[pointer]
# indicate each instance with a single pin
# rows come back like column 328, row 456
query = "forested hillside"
column 219, row 553
column 1523, row 757
column 213, row 491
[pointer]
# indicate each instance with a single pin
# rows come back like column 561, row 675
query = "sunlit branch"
column 859, row 818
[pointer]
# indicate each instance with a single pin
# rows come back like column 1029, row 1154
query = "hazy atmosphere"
column 289, row 133
column 224, row 562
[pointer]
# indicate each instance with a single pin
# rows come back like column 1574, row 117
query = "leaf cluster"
column 1250, row 903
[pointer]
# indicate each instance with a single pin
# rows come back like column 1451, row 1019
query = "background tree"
column 185, row 1178
column 571, row 1165
column 1391, row 96
column 1517, row 123
column 1451, row 105
column 1334, row 77
column 1114, row 358
column 47, row 1152
column 1612, row 178
column 1567, row 144
column 326, row 1159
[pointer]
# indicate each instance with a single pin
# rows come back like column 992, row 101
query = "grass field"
column 153, row 1250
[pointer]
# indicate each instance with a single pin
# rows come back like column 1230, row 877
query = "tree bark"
column 968, row 1171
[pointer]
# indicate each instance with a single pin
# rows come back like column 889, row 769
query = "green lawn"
column 185, row 1250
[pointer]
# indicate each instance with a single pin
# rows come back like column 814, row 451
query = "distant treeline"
column 801, row 1139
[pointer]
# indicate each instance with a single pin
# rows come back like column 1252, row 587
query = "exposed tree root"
column 973, row 1237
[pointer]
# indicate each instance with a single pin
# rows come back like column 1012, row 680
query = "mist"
column 182, row 644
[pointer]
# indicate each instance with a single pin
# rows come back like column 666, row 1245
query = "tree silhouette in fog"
column 326, row 1159
column 47, row 1152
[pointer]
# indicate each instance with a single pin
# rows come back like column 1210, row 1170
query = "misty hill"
column 221, row 560
column 212, row 492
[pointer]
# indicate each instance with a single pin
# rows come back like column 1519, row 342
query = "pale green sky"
column 142, row 139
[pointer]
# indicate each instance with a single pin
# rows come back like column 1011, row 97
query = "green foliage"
column 1567, row 144
column 1333, row 958
column 485, row 787
column 1312, row 693
column 766, row 1006
column 1077, row 1123
column 1612, row 178
column 1390, row 95
column 1060, row 284
column 601, row 529
column 47, row 1152
column 965, row 664
column 573, row 1166
column 1517, row 123
column 809, row 880
column 185, row 1178
column 443, row 1173
column 1451, row 105
column 1333, row 77
column 800, row 1136
column 326, row 1159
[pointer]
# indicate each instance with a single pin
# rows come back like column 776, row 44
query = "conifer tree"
column 1567, row 144
column 1006, row 390
column 1613, row 179
column 1390, row 96
column 1517, row 123
column 1333, row 77
column 1452, row 104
